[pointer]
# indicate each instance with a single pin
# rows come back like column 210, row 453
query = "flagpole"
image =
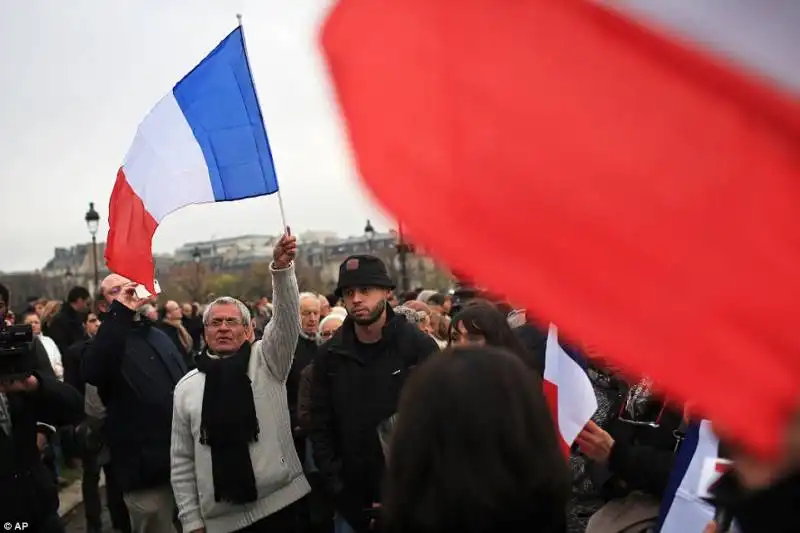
column 261, row 114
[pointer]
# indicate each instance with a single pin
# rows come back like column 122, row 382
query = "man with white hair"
column 234, row 464
column 135, row 368
column 304, row 353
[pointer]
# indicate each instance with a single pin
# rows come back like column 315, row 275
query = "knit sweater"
column 276, row 466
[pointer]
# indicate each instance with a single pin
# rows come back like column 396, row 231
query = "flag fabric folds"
column 683, row 507
column 568, row 390
column 203, row 142
column 630, row 182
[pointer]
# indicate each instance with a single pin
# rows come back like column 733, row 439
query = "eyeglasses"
column 640, row 408
column 229, row 321
column 326, row 334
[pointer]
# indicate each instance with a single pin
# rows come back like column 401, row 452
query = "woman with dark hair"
column 481, row 323
column 474, row 450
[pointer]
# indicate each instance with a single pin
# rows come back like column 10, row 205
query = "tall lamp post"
column 369, row 232
column 92, row 219
column 196, row 255
column 403, row 249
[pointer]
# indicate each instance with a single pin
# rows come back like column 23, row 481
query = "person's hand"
column 41, row 441
column 373, row 522
column 285, row 251
column 127, row 297
column 199, row 530
column 756, row 473
column 29, row 384
column 711, row 527
column 595, row 443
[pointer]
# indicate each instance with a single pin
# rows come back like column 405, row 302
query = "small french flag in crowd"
column 698, row 467
column 203, row 142
column 568, row 390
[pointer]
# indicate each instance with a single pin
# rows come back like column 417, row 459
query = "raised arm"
column 282, row 332
column 103, row 358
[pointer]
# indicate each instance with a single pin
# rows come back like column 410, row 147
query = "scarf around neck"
column 229, row 424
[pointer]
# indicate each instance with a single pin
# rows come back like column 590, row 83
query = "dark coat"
column 28, row 492
column 135, row 368
column 642, row 457
column 66, row 328
column 304, row 398
column 173, row 334
column 304, row 354
column 350, row 397
column 71, row 359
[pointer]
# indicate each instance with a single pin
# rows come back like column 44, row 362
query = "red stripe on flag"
column 551, row 395
column 130, row 235
column 627, row 188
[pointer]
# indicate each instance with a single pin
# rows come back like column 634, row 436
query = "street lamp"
column 369, row 232
column 92, row 219
column 196, row 255
column 403, row 249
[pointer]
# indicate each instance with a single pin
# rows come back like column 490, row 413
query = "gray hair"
column 227, row 300
column 412, row 315
column 146, row 308
column 308, row 295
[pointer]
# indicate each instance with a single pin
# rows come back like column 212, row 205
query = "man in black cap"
column 358, row 376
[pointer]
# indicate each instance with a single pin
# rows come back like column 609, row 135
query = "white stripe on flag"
column 760, row 36
column 576, row 400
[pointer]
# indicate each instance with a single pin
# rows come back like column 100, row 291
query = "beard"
column 374, row 315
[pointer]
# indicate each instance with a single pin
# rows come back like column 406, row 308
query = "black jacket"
column 642, row 457
column 304, row 354
column 194, row 325
column 71, row 359
column 28, row 492
column 66, row 328
column 135, row 368
column 172, row 332
column 350, row 397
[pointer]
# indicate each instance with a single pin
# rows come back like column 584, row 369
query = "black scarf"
column 229, row 424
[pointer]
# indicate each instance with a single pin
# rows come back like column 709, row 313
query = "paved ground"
column 75, row 520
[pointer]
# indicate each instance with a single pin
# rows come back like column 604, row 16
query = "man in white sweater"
column 234, row 465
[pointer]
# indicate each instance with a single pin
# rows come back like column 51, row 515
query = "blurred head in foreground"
column 475, row 449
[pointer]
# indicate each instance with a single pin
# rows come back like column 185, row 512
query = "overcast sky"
column 77, row 80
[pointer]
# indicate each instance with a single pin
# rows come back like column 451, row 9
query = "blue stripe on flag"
column 682, row 461
column 219, row 102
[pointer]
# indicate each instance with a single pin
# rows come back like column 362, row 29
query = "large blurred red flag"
column 618, row 182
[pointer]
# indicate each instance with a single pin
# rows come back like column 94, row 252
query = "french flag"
column 698, row 466
column 203, row 142
column 656, row 141
column 568, row 390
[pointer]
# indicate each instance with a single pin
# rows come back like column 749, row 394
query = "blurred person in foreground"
column 357, row 379
column 234, row 464
column 28, row 491
column 455, row 465
column 760, row 494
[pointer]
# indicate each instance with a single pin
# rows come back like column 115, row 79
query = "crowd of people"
column 363, row 410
